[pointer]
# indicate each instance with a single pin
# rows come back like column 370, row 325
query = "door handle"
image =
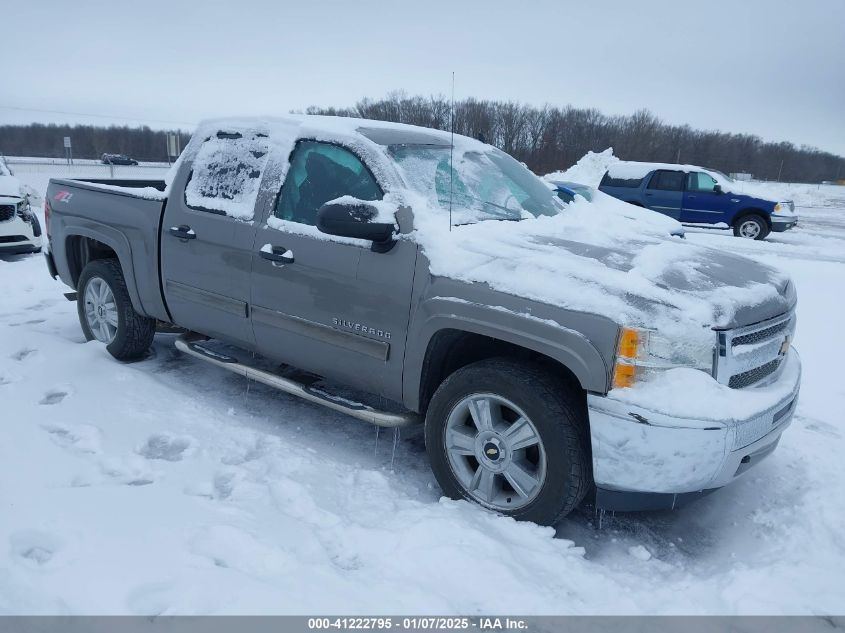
column 183, row 232
column 276, row 254
column 648, row 194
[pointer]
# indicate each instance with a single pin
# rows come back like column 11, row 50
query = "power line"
column 96, row 116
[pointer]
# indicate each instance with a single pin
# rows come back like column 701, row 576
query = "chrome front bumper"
column 783, row 222
column 639, row 450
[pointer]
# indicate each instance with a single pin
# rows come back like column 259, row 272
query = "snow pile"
column 589, row 170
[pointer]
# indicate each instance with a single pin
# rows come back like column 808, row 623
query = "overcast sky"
column 768, row 67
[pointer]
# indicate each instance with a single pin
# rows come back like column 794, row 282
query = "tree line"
column 553, row 138
column 547, row 138
column 88, row 141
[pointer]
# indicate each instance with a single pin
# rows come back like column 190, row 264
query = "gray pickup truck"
column 404, row 276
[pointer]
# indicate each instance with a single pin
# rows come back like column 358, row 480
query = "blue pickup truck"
column 695, row 195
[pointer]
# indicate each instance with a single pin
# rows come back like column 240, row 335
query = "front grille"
column 760, row 335
column 746, row 378
column 7, row 212
column 750, row 354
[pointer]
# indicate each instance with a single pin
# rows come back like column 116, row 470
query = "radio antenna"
column 451, row 148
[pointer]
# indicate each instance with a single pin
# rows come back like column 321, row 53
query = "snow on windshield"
column 482, row 185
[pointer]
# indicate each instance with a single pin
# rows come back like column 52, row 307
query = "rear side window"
column 226, row 174
column 665, row 180
column 609, row 181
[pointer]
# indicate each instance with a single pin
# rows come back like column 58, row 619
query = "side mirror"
column 357, row 221
column 717, row 188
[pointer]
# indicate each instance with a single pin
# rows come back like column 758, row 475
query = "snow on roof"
column 378, row 132
column 636, row 169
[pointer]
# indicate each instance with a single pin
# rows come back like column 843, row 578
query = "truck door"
column 207, row 237
column 324, row 304
column 702, row 202
column 665, row 191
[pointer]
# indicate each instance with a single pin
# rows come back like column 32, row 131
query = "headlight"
column 783, row 208
column 642, row 352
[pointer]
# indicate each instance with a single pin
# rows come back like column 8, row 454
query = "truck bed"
column 123, row 215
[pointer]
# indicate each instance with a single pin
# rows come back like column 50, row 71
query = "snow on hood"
column 626, row 269
column 10, row 186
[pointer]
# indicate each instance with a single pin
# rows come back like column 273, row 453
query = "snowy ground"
column 167, row 486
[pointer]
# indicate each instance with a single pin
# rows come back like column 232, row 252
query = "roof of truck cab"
column 379, row 132
column 637, row 169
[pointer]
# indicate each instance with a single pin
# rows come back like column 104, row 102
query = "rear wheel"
column 751, row 227
column 106, row 313
column 508, row 436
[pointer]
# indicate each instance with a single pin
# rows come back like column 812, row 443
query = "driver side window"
column 701, row 182
column 318, row 173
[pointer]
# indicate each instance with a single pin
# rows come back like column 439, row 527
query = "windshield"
column 724, row 176
column 485, row 185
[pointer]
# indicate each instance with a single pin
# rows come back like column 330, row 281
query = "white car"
column 20, row 231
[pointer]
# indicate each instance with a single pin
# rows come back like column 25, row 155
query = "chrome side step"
column 193, row 346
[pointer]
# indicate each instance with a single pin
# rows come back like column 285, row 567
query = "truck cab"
column 698, row 196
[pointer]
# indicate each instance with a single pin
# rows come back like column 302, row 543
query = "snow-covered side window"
column 226, row 174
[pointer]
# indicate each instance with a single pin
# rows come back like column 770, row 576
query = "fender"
column 766, row 215
column 535, row 331
column 114, row 239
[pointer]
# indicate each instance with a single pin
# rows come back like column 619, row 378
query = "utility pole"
column 780, row 169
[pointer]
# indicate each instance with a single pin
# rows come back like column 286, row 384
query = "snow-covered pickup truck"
column 384, row 271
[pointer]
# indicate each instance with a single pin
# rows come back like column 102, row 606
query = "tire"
column 127, row 335
column 515, row 389
column 751, row 227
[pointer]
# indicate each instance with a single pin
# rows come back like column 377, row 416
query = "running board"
column 193, row 346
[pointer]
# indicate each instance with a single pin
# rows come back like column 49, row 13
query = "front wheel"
column 106, row 313
column 510, row 437
column 751, row 227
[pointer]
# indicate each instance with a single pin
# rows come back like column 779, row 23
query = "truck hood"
column 10, row 186
column 616, row 265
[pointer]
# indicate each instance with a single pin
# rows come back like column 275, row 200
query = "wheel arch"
column 449, row 342
column 746, row 211
column 83, row 245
